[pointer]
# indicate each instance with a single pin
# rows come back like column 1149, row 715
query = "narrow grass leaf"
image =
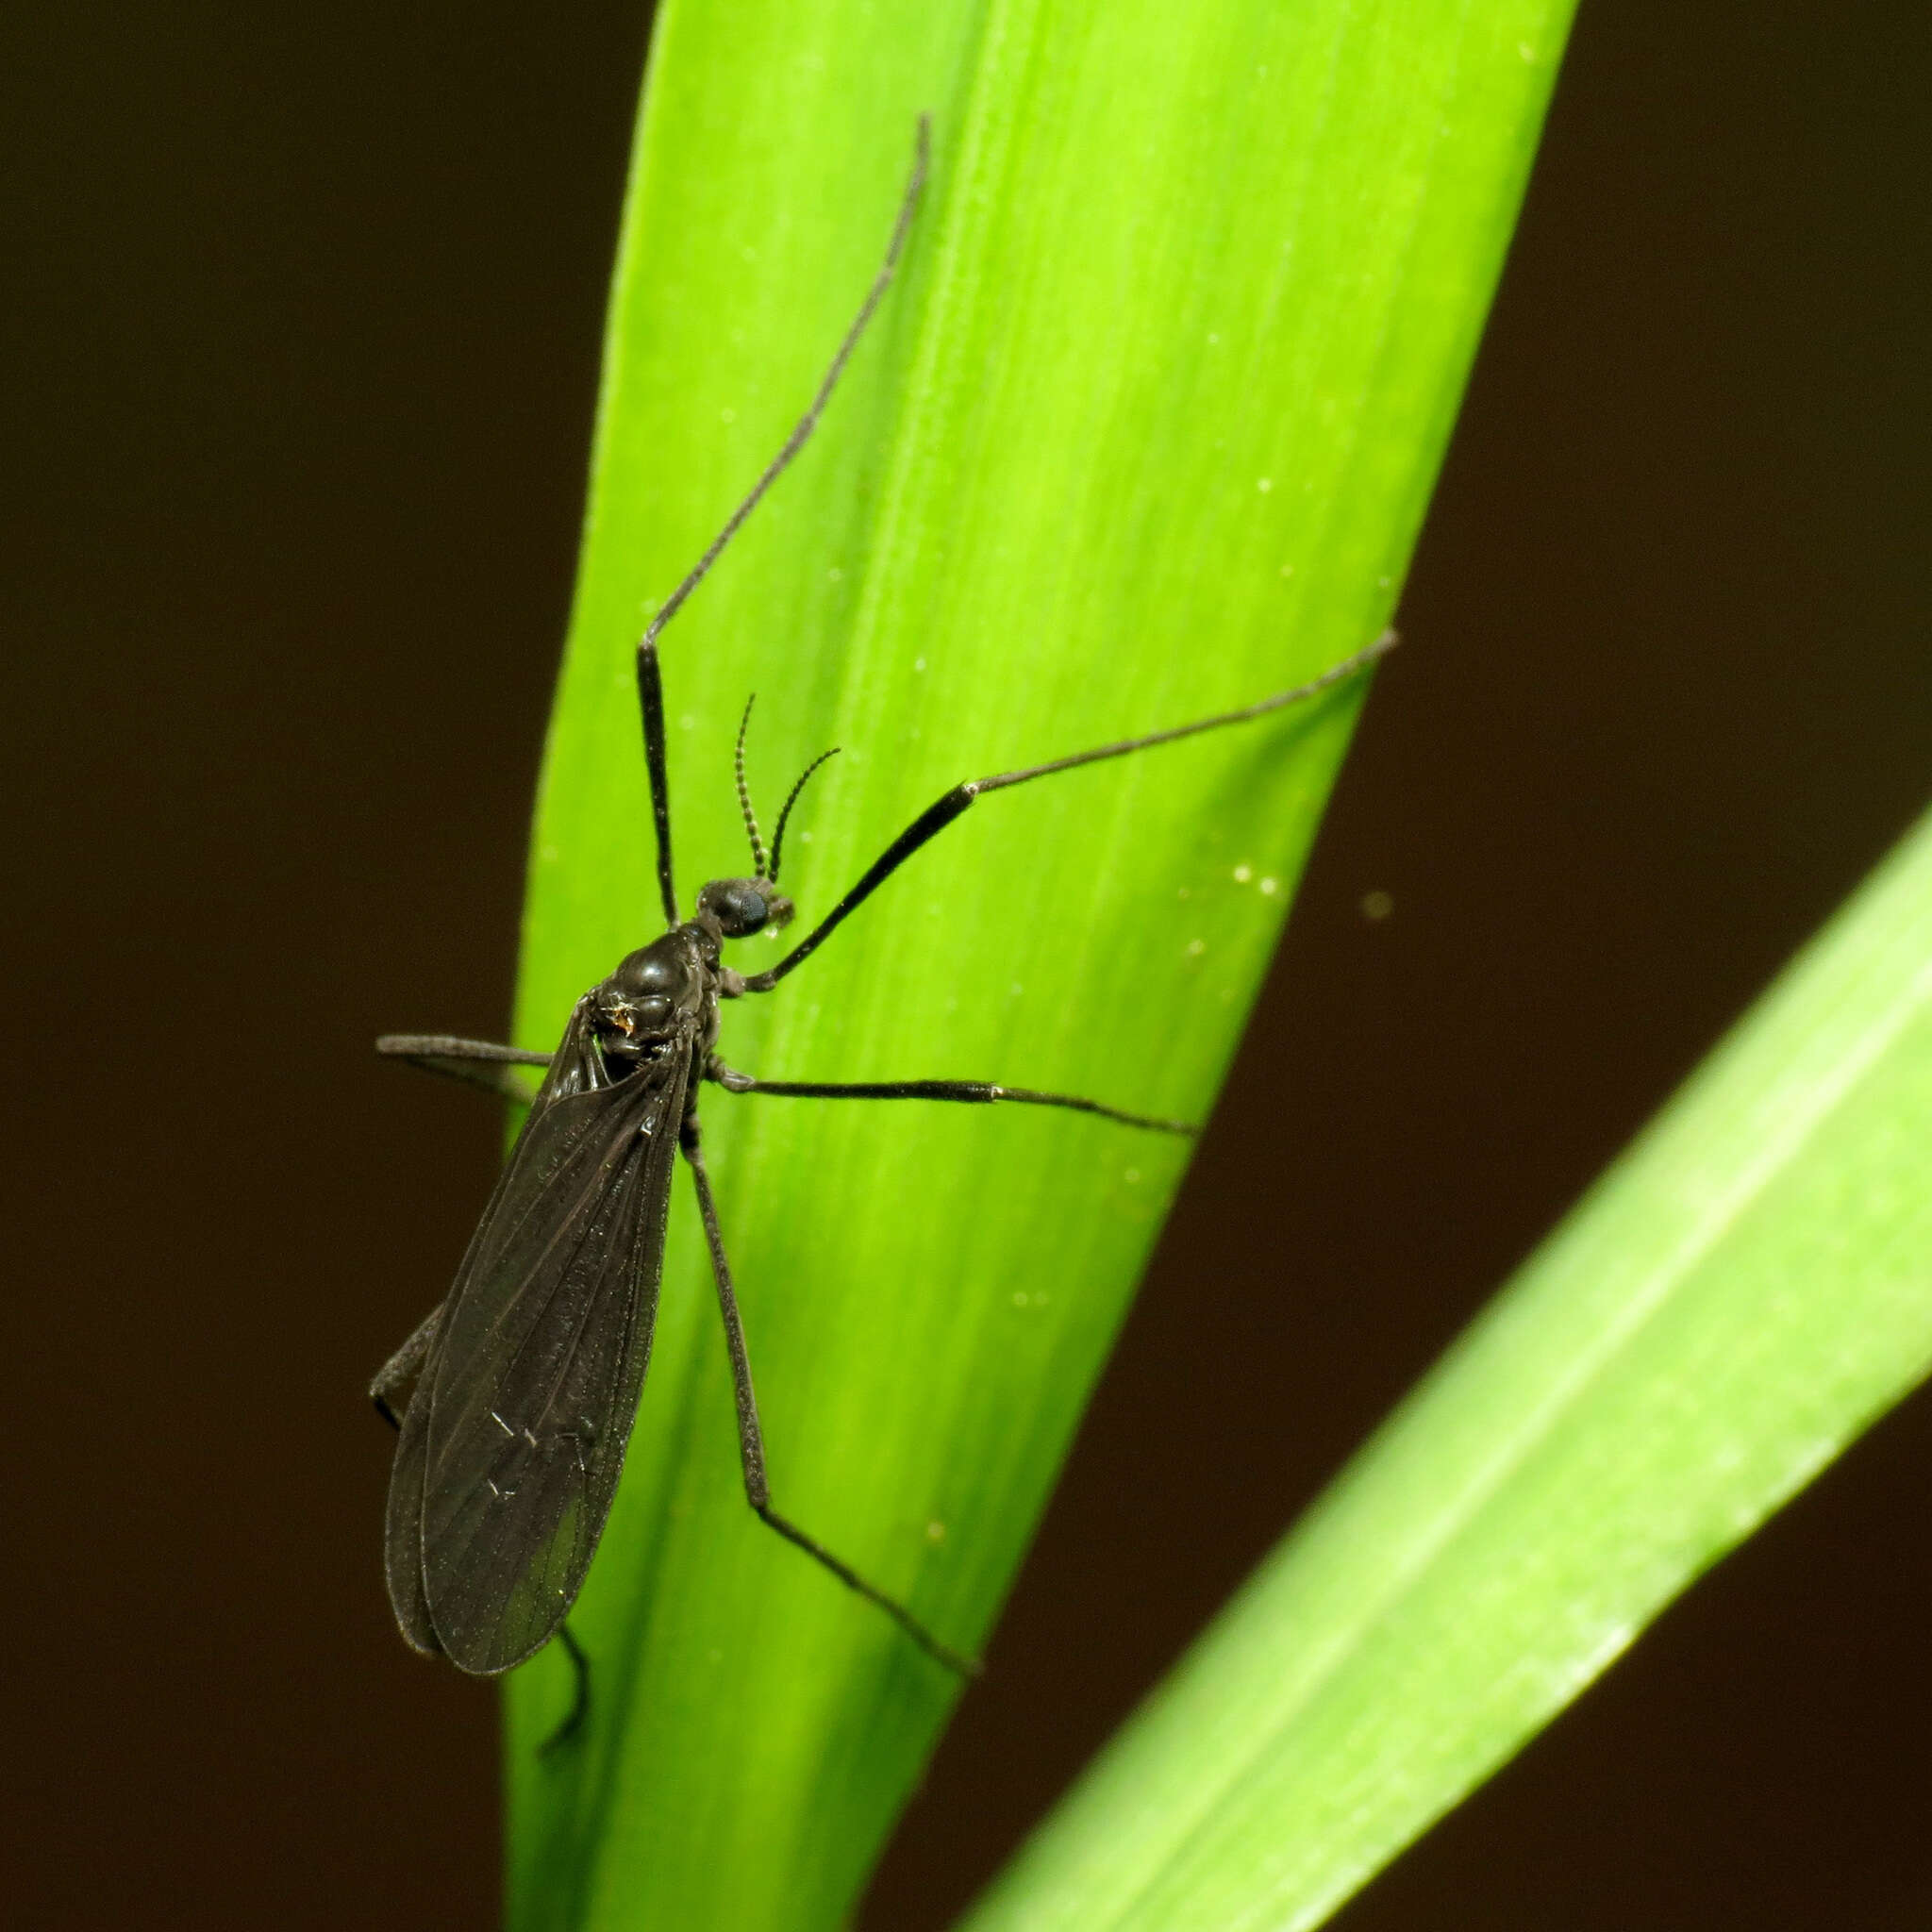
column 1146, row 430
column 1736, row 1299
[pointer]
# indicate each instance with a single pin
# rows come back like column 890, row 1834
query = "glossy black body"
column 511, row 1449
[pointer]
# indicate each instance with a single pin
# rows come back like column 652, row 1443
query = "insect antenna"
column 751, row 818
column 792, row 799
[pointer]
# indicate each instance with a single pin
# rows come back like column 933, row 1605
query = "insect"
column 515, row 1398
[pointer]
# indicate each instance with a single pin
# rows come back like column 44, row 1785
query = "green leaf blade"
column 1731, row 1306
column 1145, row 431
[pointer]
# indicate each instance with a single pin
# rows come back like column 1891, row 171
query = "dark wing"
column 512, row 1449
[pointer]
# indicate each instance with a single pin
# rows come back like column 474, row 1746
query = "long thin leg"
column 982, row 1093
column 650, row 686
column 580, row 1701
column 651, row 708
column 475, row 1063
column 751, row 1441
column 943, row 811
column 403, row 1367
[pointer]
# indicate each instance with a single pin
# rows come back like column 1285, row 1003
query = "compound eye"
column 651, row 1013
column 739, row 906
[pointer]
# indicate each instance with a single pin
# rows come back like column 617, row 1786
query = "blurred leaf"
column 1146, row 430
column 1730, row 1306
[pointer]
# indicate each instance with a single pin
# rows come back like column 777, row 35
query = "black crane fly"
column 522, row 1385
column 504, row 1477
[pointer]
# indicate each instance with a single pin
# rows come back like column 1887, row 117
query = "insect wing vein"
column 535, row 1381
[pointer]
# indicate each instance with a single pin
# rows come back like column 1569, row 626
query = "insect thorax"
column 658, row 993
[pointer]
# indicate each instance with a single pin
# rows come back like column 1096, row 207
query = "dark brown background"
column 302, row 317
